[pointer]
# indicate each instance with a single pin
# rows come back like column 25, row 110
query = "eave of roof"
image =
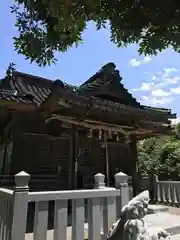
column 75, row 100
column 35, row 90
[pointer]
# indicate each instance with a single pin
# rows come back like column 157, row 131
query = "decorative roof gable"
column 107, row 84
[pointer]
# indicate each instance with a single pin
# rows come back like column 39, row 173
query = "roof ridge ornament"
column 109, row 67
column 59, row 83
column 11, row 68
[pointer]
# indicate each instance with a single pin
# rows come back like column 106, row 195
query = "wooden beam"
column 17, row 106
column 96, row 125
column 72, row 159
column 103, row 126
column 79, row 101
column 133, row 147
column 106, row 159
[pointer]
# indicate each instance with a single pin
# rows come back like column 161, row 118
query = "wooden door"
column 90, row 161
column 119, row 160
column 60, row 158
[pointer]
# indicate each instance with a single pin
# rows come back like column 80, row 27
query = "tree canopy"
column 160, row 156
column 47, row 26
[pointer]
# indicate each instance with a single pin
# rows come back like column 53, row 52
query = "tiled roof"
column 109, row 75
column 13, row 96
column 22, row 87
column 26, row 84
column 35, row 90
column 41, row 88
column 25, row 88
column 107, row 68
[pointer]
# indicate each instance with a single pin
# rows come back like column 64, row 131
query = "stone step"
column 175, row 237
column 165, row 220
column 157, row 208
column 170, row 222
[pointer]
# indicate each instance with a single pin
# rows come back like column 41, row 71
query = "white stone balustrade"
column 103, row 204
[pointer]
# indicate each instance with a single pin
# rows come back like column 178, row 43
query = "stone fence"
column 163, row 192
column 103, row 208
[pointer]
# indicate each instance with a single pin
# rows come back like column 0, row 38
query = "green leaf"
column 46, row 27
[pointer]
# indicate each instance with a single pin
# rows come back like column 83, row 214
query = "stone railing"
column 103, row 208
column 167, row 192
column 164, row 192
column 6, row 206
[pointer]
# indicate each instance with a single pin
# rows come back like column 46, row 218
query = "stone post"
column 99, row 181
column 20, row 206
column 107, row 205
column 156, row 189
column 121, row 182
column 153, row 179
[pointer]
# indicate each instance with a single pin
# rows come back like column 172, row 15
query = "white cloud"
column 161, row 101
column 156, row 101
column 145, row 87
column 175, row 121
column 146, row 98
column 169, row 70
column 175, row 90
column 135, row 63
column 160, row 88
column 147, row 59
column 173, row 80
column 160, row 93
column 166, row 77
column 160, row 80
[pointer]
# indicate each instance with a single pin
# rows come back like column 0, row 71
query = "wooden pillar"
column 72, row 162
column 134, row 171
column 106, row 159
column 5, row 154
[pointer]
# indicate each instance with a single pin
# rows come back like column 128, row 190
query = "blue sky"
column 154, row 81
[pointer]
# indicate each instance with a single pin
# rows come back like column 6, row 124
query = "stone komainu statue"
column 131, row 225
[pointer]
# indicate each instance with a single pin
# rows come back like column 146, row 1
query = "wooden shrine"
column 62, row 135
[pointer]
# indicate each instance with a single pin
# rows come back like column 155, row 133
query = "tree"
column 169, row 160
column 149, row 151
column 160, row 156
column 46, row 26
column 177, row 131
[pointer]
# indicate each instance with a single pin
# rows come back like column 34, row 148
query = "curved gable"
column 106, row 84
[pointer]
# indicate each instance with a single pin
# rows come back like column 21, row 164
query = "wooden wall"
column 91, row 158
column 43, row 154
column 44, row 157
column 119, row 159
column 47, row 155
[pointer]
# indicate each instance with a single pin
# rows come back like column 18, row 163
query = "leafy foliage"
column 177, row 130
column 46, row 26
column 160, row 156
